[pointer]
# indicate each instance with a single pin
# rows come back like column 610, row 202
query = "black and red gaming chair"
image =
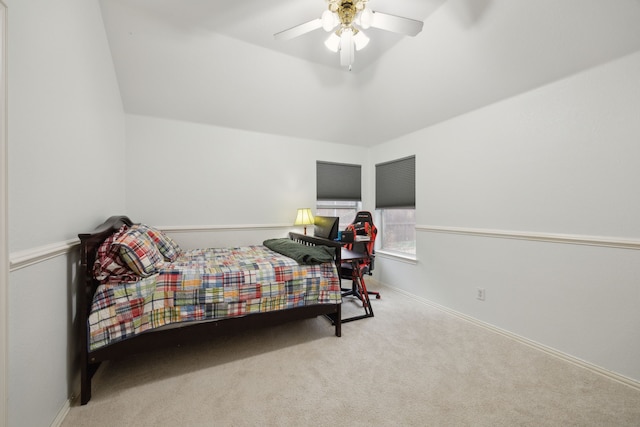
column 361, row 226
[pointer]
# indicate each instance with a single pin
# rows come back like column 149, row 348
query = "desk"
column 359, row 288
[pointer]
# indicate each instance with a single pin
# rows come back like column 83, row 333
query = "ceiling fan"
column 346, row 19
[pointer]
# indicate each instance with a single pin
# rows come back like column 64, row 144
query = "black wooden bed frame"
column 190, row 332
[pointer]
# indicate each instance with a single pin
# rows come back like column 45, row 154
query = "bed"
column 139, row 291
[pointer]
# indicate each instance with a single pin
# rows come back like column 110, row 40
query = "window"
column 398, row 230
column 395, row 205
column 345, row 210
column 338, row 191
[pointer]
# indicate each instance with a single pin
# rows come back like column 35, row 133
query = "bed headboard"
column 89, row 244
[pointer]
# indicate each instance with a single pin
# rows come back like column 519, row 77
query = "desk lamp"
column 304, row 217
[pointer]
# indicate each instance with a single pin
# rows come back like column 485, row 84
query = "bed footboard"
column 336, row 318
column 317, row 241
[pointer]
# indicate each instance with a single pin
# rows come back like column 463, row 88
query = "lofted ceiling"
column 217, row 62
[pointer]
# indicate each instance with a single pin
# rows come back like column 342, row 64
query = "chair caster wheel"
column 377, row 296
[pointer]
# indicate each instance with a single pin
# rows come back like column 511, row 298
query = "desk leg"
column 364, row 295
column 360, row 291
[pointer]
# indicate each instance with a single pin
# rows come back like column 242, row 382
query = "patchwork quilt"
column 207, row 284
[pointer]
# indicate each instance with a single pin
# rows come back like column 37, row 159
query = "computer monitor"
column 326, row 227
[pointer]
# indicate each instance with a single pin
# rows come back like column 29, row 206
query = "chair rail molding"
column 29, row 257
column 573, row 239
column 241, row 227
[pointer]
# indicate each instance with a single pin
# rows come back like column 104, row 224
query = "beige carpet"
column 410, row 365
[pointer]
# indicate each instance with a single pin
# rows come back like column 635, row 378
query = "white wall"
column 202, row 175
column 64, row 109
column 4, row 220
column 559, row 160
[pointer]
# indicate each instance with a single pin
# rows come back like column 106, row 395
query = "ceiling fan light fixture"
column 345, row 19
column 360, row 40
column 333, row 42
column 329, row 20
column 365, row 19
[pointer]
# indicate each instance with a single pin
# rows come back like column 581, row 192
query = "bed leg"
column 85, row 386
column 86, row 373
column 338, row 320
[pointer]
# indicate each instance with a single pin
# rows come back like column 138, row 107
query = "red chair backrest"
column 363, row 225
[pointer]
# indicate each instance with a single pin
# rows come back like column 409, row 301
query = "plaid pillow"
column 167, row 247
column 108, row 267
column 139, row 252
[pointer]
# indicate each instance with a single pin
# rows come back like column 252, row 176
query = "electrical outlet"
column 480, row 294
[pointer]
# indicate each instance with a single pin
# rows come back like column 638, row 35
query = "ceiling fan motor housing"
column 346, row 10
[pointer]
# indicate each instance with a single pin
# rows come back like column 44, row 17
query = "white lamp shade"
column 333, row 42
column 366, row 18
column 329, row 20
column 360, row 40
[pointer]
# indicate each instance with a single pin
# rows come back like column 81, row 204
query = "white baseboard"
column 62, row 414
column 551, row 351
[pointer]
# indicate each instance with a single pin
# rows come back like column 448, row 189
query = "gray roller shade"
column 396, row 183
column 338, row 181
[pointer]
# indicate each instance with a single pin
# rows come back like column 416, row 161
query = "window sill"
column 409, row 259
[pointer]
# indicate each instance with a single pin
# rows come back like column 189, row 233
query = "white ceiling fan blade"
column 396, row 24
column 299, row 30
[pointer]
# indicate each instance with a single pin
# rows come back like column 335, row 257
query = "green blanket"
column 301, row 253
